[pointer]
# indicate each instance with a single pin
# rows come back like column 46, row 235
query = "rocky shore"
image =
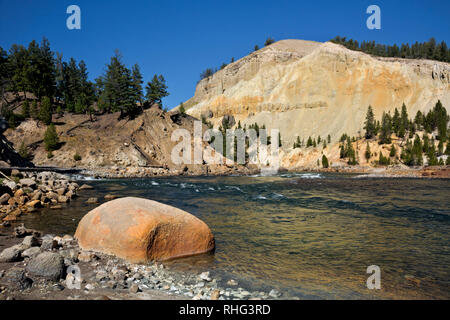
column 35, row 266
column 25, row 192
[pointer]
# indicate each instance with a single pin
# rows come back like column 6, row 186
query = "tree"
column 26, row 109
column 325, row 162
column 396, row 122
column 51, row 139
column 386, row 125
column 393, row 152
column 156, row 90
column 269, row 41
column 136, row 83
column 368, row 153
column 309, row 143
column 383, row 161
column 208, row 72
column 34, row 113
column 329, row 138
column 256, row 48
column 182, row 109
column 369, row 124
column 23, row 151
column 45, row 113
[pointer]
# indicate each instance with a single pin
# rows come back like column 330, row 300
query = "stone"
column 232, row 282
column 85, row 187
column 274, row 293
column 47, row 265
column 86, row 256
column 15, row 279
column 21, row 231
column 134, row 288
column 31, row 252
column 16, row 173
column 11, row 254
column 27, row 182
column 92, row 200
column 141, row 230
column 30, row 241
column 49, row 244
column 63, row 199
column 10, row 184
column 4, row 198
column 19, row 193
column 215, row 295
column 61, row 191
column 34, row 204
column 110, row 197
column 205, row 276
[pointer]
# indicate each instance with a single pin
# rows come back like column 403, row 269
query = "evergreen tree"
column 51, row 139
column 34, row 113
column 269, row 41
column 26, row 109
column 156, row 90
column 396, row 122
column 309, row 143
column 23, row 151
column 368, row 153
column 45, row 113
column 137, row 84
column 369, row 124
column 385, row 134
column 325, row 162
column 329, row 139
column 183, row 110
column 393, row 152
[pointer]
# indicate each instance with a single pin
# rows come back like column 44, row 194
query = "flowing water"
column 309, row 235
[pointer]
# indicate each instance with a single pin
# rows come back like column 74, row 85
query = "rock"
column 63, row 199
column 56, row 207
column 49, row 244
column 28, row 182
column 34, row 204
column 85, row 187
column 31, row 252
column 92, row 200
column 11, row 254
column 15, row 279
column 232, row 282
column 86, row 256
column 274, row 293
column 16, row 173
column 61, row 191
column 140, row 230
column 47, row 265
column 10, row 184
column 30, row 241
column 21, row 231
column 4, row 198
column 205, row 276
column 19, row 193
column 134, row 288
column 89, row 287
column 37, row 195
column 110, row 197
column 215, row 295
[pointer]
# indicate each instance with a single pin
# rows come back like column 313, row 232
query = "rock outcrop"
column 306, row 88
column 141, row 230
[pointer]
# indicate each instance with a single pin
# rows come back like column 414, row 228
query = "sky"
column 180, row 39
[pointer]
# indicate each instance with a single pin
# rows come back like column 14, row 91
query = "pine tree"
column 369, row 124
column 45, row 113
column 34, row 113
column 156, row 90
column 23, row 151
column 325, row 162
column 396, row 122
column 368, row 153
column 386, row 125
column 183, row 110
column 329, row 139
column 137, row 84
column 26, row 109
column 393, row 152
column 51, row 139
column 309, row 143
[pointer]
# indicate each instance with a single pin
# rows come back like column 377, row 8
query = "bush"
column 77, row 157
column 23, row 151
column 269, row 41
column 49, row 155
column 51, row 139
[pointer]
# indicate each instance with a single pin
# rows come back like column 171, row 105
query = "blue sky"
column 179, row 39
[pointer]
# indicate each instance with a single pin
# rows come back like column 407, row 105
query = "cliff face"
column 306, row 88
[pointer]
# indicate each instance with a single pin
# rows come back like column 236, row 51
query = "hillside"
column 113, row 147
column 306, row 88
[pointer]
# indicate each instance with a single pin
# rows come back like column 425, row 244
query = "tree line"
column 419, row 50
column 65, row 85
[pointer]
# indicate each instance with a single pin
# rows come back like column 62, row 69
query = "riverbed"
column 310, row 235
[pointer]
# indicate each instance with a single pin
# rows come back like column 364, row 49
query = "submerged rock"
column 140, row 230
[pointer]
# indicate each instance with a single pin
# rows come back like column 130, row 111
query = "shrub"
column 325, row 162
column 77, row 157
column 51, row 139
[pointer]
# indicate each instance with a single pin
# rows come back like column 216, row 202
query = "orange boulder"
column 140, row 230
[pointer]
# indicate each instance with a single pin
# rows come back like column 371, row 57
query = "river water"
column 309, row 235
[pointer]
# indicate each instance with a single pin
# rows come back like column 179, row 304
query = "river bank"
column 35, row 266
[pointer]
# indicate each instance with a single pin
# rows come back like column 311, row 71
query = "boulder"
column 92, row 200
column 47, row 265
column 141, row 230
column 4, row 198
column 31, row 252
column 27, row 182
column 10, row 254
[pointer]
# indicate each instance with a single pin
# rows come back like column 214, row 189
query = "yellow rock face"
column 306, row 88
